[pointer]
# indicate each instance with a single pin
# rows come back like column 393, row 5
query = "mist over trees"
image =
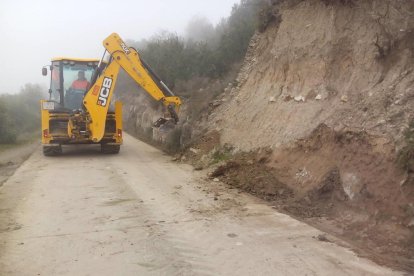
column 204, row 54
column 20, row 113
column 200, row 29
column 206, row 50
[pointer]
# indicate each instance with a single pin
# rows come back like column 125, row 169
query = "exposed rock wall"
column 347, row 64
column 327, row 91
column 140, row 111
column 329, row 88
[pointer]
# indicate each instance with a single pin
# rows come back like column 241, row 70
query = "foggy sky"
column 32, row 32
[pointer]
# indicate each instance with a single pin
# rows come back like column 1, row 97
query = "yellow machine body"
column 75, row 115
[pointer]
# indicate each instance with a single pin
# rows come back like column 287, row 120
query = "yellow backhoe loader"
column 79, row 109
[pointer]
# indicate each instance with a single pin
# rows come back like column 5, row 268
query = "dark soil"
column 255, row 178
column 307, row 181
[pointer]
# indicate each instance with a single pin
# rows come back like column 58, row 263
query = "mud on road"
column 139, row 213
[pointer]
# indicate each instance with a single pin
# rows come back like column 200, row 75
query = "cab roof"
column 75, row 59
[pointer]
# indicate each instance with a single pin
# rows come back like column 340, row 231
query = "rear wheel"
column 110, row 149
column 52, row 150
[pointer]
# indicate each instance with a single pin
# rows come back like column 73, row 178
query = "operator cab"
column 70, row 80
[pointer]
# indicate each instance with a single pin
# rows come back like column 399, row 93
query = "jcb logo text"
column 104, row 93
column 125, row 48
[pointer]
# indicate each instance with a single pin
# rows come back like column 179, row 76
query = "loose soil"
column 370, row 208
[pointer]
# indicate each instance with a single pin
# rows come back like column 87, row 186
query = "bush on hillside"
column 20, row 113
column 206, row 51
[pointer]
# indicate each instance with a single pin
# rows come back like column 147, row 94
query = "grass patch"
column 4, row 147
column 21, row 140
column 220, row 156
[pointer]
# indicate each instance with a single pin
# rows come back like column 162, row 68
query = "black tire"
column 52, row 151
column 110, row 149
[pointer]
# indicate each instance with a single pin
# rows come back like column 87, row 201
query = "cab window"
column 76, row 79
column 55, row 82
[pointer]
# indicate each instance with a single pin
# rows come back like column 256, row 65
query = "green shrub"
column 219, row 156
column 176, row 59
column 20, row 113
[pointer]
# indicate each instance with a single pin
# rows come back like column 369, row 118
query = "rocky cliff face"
column 140, row 111
column 321, row 109
column 327, row 92
column 346, row 64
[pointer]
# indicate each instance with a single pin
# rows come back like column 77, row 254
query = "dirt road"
column 138, row 213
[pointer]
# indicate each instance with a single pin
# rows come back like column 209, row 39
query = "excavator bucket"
column 174, row 117
column 160, row 122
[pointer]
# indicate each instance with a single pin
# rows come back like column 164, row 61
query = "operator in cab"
column 81, row 83
column 75, row 94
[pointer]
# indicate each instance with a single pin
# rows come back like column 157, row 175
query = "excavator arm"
column 98, row 97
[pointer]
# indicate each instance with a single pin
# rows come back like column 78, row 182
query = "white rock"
column 193, row 150
column 299, row 98
column 272, row 99
column 216, row 103
column 318, row 97
column 344, row 98
column 351, row 184
column 302, row 173
column 381, row 122
column 216, row 180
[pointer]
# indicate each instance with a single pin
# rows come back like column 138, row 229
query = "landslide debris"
column 346, row 183
column 319, row 121
column 328, row 88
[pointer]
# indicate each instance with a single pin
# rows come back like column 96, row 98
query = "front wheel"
column 110, row 149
